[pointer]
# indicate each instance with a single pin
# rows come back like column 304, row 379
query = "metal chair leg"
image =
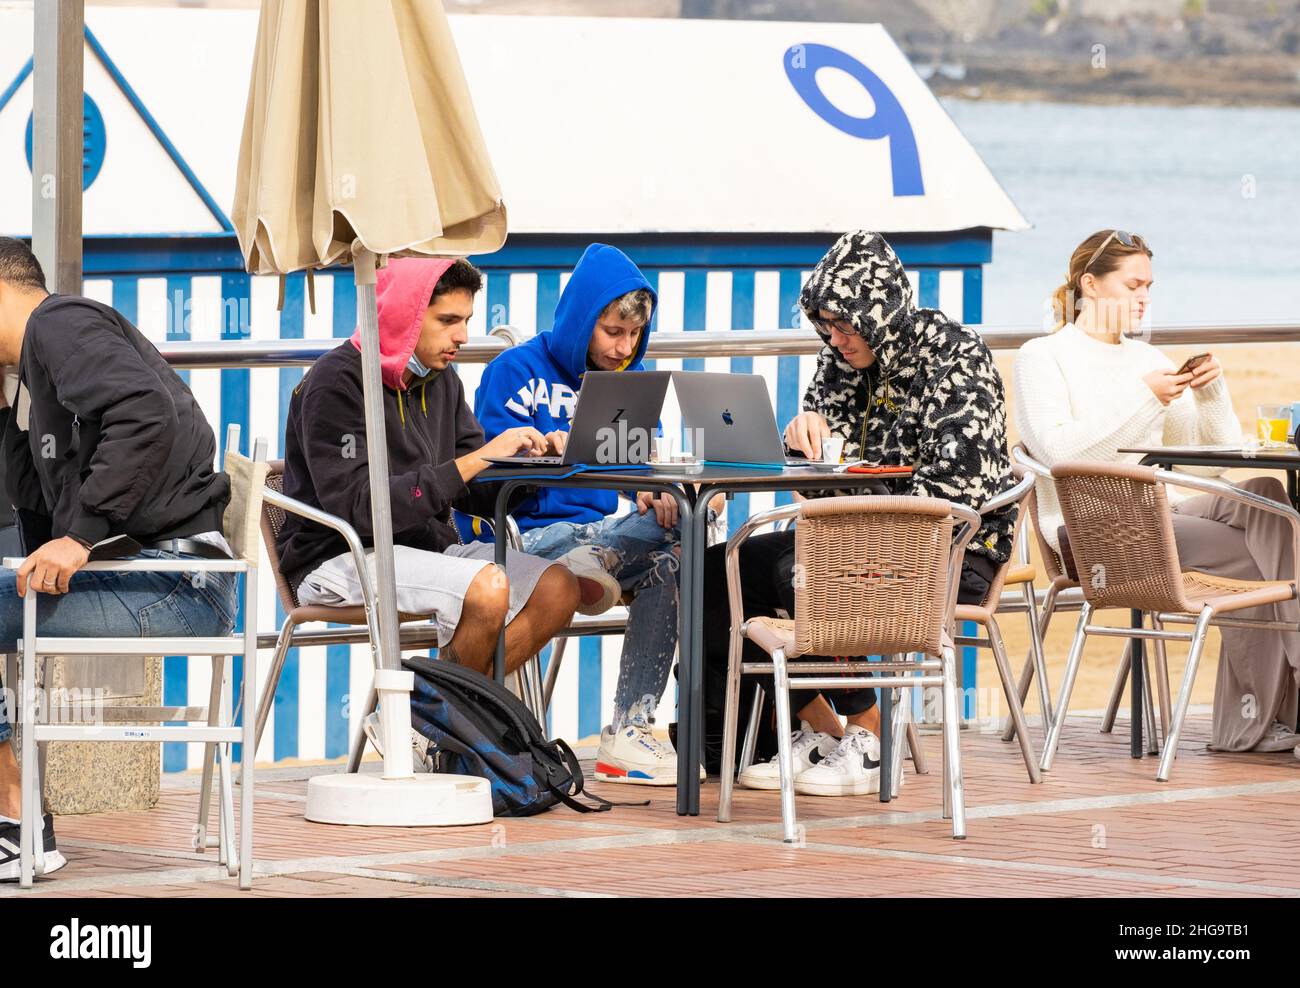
column 1036, row 646
column 201, row 840
column 1117, row 688
column 919, row 763
column 1184, row 695
column 267, row 702
column 750, row 744
column 358, row 747
column 999, row 649
column 226, row 837
column 1162, row 677
column 248, row 749
column 536, row 699
column 553, row 669
column 952, row 746
column 29, row 831
column 1028, row 670
column 731, row 714
column 889, row 740
column 902, row 731
column 786, row 759
column 1148, row 707
column 1067, row 687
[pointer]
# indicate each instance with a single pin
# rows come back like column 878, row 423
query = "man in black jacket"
column 104, row 440
column 435, row 451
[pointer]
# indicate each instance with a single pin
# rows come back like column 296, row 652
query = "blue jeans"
column 121, row 605
column 646, row 564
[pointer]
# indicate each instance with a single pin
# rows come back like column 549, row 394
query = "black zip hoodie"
column 326, row 465
column 104, row 437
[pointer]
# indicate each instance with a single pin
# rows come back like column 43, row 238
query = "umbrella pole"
column 392, row 682
column 401, row 798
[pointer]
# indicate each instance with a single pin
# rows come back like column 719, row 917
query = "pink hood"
column 403, row 292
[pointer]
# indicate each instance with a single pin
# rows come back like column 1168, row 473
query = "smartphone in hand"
column 1191, row 363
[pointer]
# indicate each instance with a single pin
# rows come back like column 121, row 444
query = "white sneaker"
column 852, row 769
column 591, row 565
column 1279, row 738
column 810, row 747
column 421, row 750
column 635, row 756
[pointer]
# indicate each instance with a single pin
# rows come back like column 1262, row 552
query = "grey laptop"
column 731, row 419
column 614, row 421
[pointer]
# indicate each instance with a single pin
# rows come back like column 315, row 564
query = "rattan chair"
column 1122, row 538
column 873, row 576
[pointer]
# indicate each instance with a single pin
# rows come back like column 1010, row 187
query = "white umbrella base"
column 422, row 801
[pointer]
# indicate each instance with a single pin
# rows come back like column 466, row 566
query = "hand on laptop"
column 523, row 441
column 664, row 507
column 555, row 442
column 805, row 434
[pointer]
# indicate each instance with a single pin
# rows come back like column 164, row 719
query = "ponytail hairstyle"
column 1114, row 246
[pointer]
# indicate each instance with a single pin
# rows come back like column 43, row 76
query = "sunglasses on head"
column 1129, row 240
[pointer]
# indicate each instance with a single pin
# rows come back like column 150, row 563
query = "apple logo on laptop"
column 726, row 417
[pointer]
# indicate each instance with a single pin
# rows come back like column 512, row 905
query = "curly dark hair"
column 461, row 276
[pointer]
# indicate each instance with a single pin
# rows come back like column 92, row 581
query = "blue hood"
column 602, row 274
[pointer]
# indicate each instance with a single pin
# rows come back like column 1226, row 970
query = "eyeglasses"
column 1129, row 240
column 826, row 325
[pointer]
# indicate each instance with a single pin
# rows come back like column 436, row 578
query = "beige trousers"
column 1258, row 670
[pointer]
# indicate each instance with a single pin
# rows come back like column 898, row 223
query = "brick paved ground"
column 1099, row 825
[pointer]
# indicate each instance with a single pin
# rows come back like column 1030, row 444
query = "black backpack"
column 475, row 726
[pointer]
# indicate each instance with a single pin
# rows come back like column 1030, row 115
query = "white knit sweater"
column 1079, row 398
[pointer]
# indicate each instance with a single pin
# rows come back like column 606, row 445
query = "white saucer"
column 676, row 466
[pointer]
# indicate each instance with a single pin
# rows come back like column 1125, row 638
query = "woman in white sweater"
column 1090, row 390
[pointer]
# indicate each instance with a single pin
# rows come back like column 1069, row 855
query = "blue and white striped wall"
column 312, row 717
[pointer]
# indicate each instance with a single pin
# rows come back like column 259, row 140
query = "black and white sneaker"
column 9, row 859
column 808, row 748
column 852, row 769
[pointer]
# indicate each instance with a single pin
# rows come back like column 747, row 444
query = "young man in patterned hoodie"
column 899, row 385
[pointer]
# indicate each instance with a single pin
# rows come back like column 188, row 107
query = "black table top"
column 711, row 474
column 1283, row 456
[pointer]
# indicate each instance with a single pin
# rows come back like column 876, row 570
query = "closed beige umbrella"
column 360, row 143
column 359, row 130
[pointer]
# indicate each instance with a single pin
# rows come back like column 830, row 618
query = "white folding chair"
column 212, row 725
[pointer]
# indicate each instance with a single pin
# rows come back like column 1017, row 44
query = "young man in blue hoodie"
column 602, row 323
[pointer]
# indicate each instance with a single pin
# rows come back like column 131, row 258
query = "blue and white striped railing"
column 312, row 715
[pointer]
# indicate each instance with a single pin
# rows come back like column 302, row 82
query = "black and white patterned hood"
column 933, row 398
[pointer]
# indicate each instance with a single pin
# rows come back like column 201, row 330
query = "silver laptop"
column 731, row 419
column 614, row 421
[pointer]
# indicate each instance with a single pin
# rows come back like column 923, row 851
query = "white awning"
column 595, row 125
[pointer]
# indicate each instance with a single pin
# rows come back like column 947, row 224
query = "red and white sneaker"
column 634, row 756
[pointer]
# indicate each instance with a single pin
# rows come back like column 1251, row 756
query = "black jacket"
column 115, row 444
column 325, row 462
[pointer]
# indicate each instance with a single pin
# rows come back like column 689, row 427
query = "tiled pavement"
column 1099, row 825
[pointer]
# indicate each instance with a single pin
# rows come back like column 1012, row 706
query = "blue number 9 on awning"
column 801, row 65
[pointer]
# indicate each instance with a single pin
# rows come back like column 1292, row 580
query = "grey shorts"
column 433, row 583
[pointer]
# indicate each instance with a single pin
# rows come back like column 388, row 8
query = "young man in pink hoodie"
column 435, row 450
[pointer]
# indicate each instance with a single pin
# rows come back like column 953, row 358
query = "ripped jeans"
column 643, row 558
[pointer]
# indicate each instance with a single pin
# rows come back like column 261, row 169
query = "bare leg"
column 487, row 602
column 870, row 719
column 549, row 609
column 821, row 717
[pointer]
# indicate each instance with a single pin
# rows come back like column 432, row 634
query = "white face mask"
column 417, row 368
